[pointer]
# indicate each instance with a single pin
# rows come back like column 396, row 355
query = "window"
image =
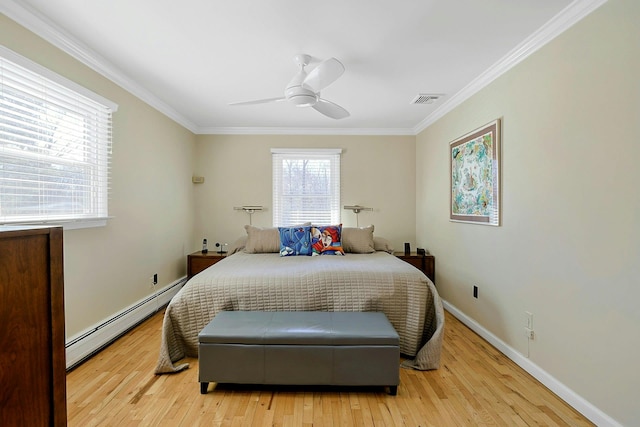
column 55, row 146
column 306, row 186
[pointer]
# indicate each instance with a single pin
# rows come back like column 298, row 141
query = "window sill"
column 87, row 223
column 66, row 225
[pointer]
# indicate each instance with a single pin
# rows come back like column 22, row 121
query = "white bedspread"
column 268, row 282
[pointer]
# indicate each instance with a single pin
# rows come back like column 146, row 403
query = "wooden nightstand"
column 424, row 263
column 197, row 261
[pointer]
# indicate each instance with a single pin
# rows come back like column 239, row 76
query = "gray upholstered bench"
column 299, row 348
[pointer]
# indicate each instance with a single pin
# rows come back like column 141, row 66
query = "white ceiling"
column 191, row 58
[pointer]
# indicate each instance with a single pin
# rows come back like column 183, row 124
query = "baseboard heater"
column 86, row 344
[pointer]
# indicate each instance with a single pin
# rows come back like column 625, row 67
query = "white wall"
column 569, row 247
column 376, row 171
column 107, row 269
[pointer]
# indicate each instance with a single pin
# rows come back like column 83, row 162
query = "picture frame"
column 474, row 161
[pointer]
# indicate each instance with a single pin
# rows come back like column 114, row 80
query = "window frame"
column 94, row 108
column 333, row 155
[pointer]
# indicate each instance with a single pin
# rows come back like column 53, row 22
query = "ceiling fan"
column 304, row 88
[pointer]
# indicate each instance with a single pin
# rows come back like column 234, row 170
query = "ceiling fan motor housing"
column 304, row 88
column 297, row 94
column 300, row 97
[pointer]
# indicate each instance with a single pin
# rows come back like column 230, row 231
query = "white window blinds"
column 55, row 146
column 306, row 186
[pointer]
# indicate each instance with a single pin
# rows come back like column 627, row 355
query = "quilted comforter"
column 269, row 282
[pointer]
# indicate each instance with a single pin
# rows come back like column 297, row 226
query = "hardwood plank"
column 475, row 385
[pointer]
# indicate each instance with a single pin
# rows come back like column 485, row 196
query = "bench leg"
column 203, row 387
column 393, row 390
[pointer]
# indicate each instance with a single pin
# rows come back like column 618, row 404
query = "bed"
column 262, row 280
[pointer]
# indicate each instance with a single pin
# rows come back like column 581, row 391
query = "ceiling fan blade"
column 324, row 74
column 259, row 101
column 330, row 109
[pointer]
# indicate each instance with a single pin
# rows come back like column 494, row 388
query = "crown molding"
column 302, row 131
column 39, row 24
column 570, row 15
column 43, row 27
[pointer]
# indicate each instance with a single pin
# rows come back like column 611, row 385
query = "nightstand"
column 424, row 263
column 197, row 261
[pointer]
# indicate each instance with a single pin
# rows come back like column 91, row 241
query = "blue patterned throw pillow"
column 295, row 241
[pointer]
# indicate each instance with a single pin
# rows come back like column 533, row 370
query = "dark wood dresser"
column 32, row 353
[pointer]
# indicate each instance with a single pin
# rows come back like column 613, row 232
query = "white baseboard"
column 88, row 342
column 581, row 405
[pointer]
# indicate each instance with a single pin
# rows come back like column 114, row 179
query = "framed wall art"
column 475, row 176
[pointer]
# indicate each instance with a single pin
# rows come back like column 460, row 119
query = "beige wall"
column 376, row 171
column 156, row 220
column 567, row 250
column 569, row 247
column 108, row 268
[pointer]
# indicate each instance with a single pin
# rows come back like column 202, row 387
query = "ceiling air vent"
column 424, row 98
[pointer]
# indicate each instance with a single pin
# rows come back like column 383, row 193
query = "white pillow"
column 262, row 240
column 382, row 244
column 358, row 240
column 238, row 245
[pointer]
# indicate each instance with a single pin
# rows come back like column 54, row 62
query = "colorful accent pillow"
column 263, row 240
column 326, row 240
column 295, row 241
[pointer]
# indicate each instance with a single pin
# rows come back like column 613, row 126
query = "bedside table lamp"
column 356, row 210
column 249, row 209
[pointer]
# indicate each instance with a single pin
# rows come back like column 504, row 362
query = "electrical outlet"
column 475, row 291
column 528, row 329
column 529, row 317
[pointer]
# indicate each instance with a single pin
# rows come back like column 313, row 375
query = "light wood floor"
column 475, row 386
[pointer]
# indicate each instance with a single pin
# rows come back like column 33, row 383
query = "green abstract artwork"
column 475, row 176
